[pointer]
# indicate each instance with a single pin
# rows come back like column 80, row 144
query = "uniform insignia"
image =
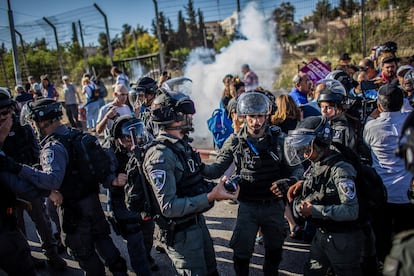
column 158, row 178
column 348, row 188
column 336, row 135
column 157, row 161
column 47, row 157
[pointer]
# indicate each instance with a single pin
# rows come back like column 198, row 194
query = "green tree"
column 192, row 25
column 103, row 44
column 321, row 13
column 126, row 35
column 284, row 18
column 182, row 37
column 201, row 27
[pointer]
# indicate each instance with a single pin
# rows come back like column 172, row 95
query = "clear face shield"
column 136, row 97
column 25, row 115
column 408, row 84
column 135, row 129
column 178, row 86
column 298, row 148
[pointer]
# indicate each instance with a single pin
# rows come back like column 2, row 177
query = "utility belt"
column 169, row 227
column 338, row 228
column 124, row 227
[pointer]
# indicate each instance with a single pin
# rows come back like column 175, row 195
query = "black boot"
column 241, row 266
column 56, row 262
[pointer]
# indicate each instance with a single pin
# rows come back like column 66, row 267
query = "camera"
column 232, row 183
column 368, row 85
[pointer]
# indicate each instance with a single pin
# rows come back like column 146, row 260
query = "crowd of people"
column 284, row 165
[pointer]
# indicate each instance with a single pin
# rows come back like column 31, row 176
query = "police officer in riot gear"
column 141, row 98
column 332, row 101
column 15, row 258
column 126, row 223
column 173, row 169
column 327, row 197
column 85, row 229
column 22, row 145
column 257, row 150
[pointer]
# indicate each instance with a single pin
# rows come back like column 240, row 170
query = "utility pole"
column 363, row 31
column 85, row 54
column 110, row 52
column 160, row 50
column 26, row 66
column 17, row 73
column 57, row 45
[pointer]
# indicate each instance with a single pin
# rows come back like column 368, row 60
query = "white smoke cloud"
column 259, row 50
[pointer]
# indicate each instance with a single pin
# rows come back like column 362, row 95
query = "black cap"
column 345, row 56
column 390, row 89
column 5, row 99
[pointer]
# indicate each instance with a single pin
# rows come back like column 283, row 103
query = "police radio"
column 232, row 183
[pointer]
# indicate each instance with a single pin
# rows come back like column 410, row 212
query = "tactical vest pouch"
column 167, row 229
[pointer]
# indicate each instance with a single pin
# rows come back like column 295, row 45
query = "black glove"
column 284, row 184
column 7, row 164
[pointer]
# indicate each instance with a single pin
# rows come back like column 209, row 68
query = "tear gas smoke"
column 259, row 50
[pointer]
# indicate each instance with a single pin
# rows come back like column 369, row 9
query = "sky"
column 133, row 12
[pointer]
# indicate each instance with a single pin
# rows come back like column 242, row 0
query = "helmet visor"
column 186, row 106
column 136, row 130
column 136, row 96
column 298, row 148
column 25, row 118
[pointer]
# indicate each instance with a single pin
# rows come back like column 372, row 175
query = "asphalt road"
column 220, row 220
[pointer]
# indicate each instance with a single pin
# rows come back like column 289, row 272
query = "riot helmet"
column 253, row 103
column 173, row 104
column 334, row 92
column 341, row 76
column 409, row 77
column 405, row 148
column 128, row 126
column 40, row 110
column 147, row 85
column 312, row 132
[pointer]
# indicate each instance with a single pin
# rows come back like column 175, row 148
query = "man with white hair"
column 109, row 112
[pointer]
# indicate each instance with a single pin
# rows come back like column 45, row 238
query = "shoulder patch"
column 336, row 134
column 347, row 187
column 158, row 178
column 47, row 157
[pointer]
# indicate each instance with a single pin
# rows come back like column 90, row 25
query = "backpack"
column 103, row 92
column 220, row 125
column 371, row 192
column 89, row 164
column 95, row 92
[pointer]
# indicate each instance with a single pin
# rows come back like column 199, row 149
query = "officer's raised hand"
column 294, row 190
column 56, row 197
column 280, row 187
column 120, row 181
column 219, row 192
column 305, row 208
